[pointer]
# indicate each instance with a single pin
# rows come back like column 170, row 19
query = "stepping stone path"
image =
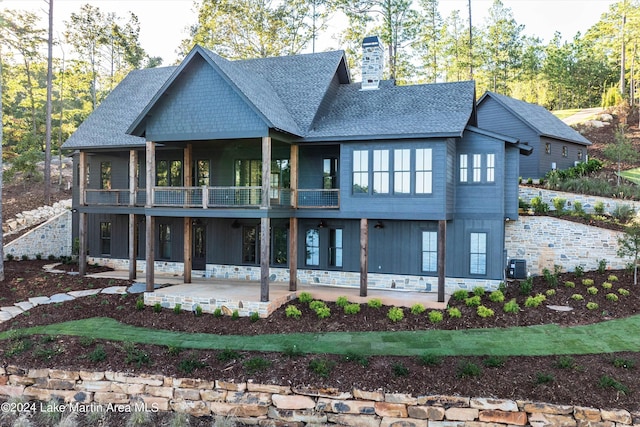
column 9, row 312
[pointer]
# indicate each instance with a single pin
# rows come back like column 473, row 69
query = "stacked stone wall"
column 588, row 202
column 280, row 405
column 51, row 238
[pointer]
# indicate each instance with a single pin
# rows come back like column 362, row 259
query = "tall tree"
column 240, row 29
column 47, row 142
column 429, row 43
column 455, row 46
column 1, row 165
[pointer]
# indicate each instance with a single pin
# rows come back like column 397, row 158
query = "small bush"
column 417, row 309
column 609, row 382
column 511, row 306
column 460, row 295
column 315, row 304
column 454, row 313
column 374, row 303
column 619, row 362
column 235, row 315
column 484, row 312
column 612, row 278
column 559, row 204
column 140, row 304
column 98, row 354
column 217, row 313
column 174, row 350
column 592, row 306
column 429, row 359
column 587, row 282
column 342, row 301
column 323, row 312
column 539, row 207
column 227, row 355
column 357, row 358
column 577, row 297
column 473, row 301
column 578, row 210
column 565, row 362
column 435, row 316
column 550, row 292
column 292, row 351
column 569, row 284
column 479, row 291
column 496, row 296
column 612, row 297
column 607, row 285
column 551, row 278
column 602, row 266
column 623, row 213
column 592, row 290
column 157, row 307
column 399, row 370
column 598, row 208
column 254, row 317
column 542, row 378
column 578, row 271
column 526, row 286
column 177, row 309
column 494, row 361
column 136, row 356
column 466, row 369
column 535, row 301
column 190, row 364
column 623, row 292
column 292, row 311
column 256, row 364
column 198, row 311
column 395, row 314
column 321, row 367
column 305, row 297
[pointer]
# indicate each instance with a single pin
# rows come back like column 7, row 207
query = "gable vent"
column 372, row 63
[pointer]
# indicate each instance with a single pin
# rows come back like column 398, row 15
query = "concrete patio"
column 244, row 296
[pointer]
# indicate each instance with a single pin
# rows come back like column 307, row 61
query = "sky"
column 164, row 23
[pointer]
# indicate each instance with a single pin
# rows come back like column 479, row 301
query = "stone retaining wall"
column 51, row 238
column 527, row 193
column 30, row 218
column 277, row 405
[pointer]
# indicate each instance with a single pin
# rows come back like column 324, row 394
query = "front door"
column 199, row 261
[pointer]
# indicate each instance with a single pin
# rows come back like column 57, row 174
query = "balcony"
column 216, row 197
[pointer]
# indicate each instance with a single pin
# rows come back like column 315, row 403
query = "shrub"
column 342, row 301
column 173, row 350
column 496, row 296
column 612, row 297
column 466, row 369
column 569, row 284
column 292, row 351
column 592, row 290
column 98, row 354
column 578, row 210
column 454, row 312
column 578, row 271
column 355, row 357
column 526, row 286
column 9, row 257
column 256, row 364
column 198, row 311
column 535, row 301
column 598, row 208
column 623, row 213
column 323, row 312
column 484, row 312
column 577, row 297
column 417, row 308
column 612, row 278
column 227, row 355
column 460, row 295
column 529, row 181
column 157, row 307
column 395, row 314
column 602, row 266
column 494, row 361
column 511, row 307
column 177, row 309
column 592, row 306
column 565, row 362
column 623, row 292
column 374, row 303
column 140, row 304
column 235, row 315
column 254, row 317
column 559, row 204
column 550, row 292
column 399, row 370
column 136, row 356
column 429, row 359
column 538, row 206
column 293, row 311
column 305, row 297
column 479, row 291
column 587, row 282
column 607, row 285
column 623, row 363
column 190, row 364
column 217, row 313
column 542, row 378
column 321, row 367
column 473, row 301
column 315, row 304
column 435, row 316
column 352, row 308
column 609, row 382
column 551, row 278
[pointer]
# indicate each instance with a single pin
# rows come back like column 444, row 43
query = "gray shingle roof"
column 107, row 125
column 538, row 118
column 441, row 109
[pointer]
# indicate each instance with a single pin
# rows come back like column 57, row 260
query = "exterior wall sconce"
column 322, row 224
column 379, row 225
column 235, row 224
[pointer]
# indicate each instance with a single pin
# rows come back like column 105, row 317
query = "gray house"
column 283, row 169
column 555, row 144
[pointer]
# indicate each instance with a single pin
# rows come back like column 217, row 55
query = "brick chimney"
column 372, row 63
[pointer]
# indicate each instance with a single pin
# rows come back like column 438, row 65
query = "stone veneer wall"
column 51, row 238
column 277, row 405
column 527, row 193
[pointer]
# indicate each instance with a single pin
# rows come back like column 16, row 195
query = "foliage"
column 454, row 312
column 623, row 213
column 98, row 354
column 460, row 295
column 435, row 316
column 602, row 266
column 587, row 282
column 293, row 311
column 496, row 296
column 577, row 297
column 620, row 362
column 550, row 292
column 395, row 314
column 526, row 286
column 228, row 355
column 324, row 311
column 430, row 359
column 198, row 311
column 342, row 301
column 190, row 364
column 569, row 284
column 592, row 290
column 256, row 364
column 612, row 297
column 135, row 355
column 305, row 297
column 235, row 315
column 217, row 313
column 467, row 369
column 592, row 306
column 629, row 246
column 417, row 308
column 315, row 304
column 321, row 367
column 578, row 210
column 621, row 150
column 479, row 291
column 374, row 303
column 357, row 358
column 609, row 382
column 254, row 317
column 511, row 306
column 612, row 278
column 484, row 312
column 399, row 370
column 177, row 309
column 494, row 361
column 539, row 207
column 559, row 204
column 623, row 292
column 598, row 207
column 473, row 301
column 535, row 301
column 157, row 307
column 542, row 378
column 607, row 285
column 140, row 304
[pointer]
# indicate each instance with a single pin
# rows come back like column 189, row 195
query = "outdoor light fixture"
column 379, row 225
column 235, row 224
column 322, row 224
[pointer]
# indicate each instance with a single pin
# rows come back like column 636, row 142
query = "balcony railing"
column 216, row 197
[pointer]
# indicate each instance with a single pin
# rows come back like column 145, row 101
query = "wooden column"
column 442, row 248
column 293, row 254
column 188, row 222
column 150, row 221
column 364, row 255
column 150, row 251
column 265, row 238
column 266, row 171
column 82, row 217
column 133, row 230
column 293, row 176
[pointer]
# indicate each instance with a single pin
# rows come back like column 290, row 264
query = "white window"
column 401, row 171
column 429, row 251
column 464, row 167
column 312, row 246
column 477, row 167
column 381, row 171
column 478, row 253
column 360, row 171
column 424, row 171
column 491, row 167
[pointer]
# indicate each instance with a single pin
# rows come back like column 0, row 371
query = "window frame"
column 430, row 251
column 478, row 254
column 105, row 237
column 312, row 249
column 381, row 173
column 360, row 172
column 164, row 241
column 425, row 170
column 336, row 247
column 490, row 161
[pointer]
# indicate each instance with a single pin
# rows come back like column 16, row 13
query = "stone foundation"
column 278, row 405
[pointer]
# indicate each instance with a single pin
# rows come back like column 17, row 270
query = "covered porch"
column 244, row 296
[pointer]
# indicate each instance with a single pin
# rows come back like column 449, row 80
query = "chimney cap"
column 371, row 41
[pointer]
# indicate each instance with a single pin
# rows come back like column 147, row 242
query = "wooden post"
column 266, row 172
column 293, row 254
column 150, row 251
column 82, row 178
column 293, row 175
column 82, row 249
column 188, row 243
column 442, row 247
column 364, row 255
column 133, row 229
column 265, row 239
column 150, row 172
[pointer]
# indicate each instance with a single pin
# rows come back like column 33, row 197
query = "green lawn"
column 632, row 175
column 609, row 336
column 561, row 114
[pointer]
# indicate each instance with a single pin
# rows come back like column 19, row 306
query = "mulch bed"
column 547, row 379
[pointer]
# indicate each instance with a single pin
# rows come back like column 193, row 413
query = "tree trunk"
column 1, row 238
column 47, row 143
